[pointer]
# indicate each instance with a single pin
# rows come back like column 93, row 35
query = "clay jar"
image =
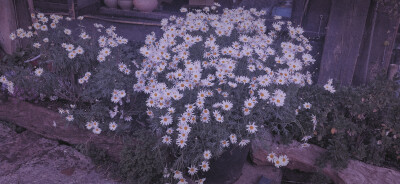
column 145, row 5
column 111, row 3
column 125, row 4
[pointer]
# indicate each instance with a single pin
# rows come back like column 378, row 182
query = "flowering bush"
column 65, row 57
column 91, row 70
column 214, row 80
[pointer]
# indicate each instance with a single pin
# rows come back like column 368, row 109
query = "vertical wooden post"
column 299, row 10
column 31, row 9
column 23, row 18
column 71, row 8
column 342, row 43
column 7, row 25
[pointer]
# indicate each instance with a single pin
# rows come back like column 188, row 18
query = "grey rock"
column 30, row 158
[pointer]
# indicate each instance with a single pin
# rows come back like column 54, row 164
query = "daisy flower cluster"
column 108, row 41
column 124, row 69
column 85, row 78
column 72, row 51
column 41, row 23
column 8, row 84
column 67, row 113
column 117, row 95
column 202, row 60
column 278, row 161
column 94, row 126
column 329, row 87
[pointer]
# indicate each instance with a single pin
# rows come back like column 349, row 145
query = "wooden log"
column 41, row 121
column 304, row 159
column 343, row 39
column 378, row 44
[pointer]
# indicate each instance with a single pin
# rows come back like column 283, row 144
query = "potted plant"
column 214, row 80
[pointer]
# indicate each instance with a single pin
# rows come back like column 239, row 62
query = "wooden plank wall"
column 312, row 15
column 377, row 46
column 343, row 40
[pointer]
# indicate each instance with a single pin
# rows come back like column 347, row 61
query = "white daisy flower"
column 182, row 181
column 70, row 118
column 39, row 72
column 166, row 120
column 284, row 160
column 225, row 143
column 278, row 163
column 205, row 166
column 251, row 128
column 183, row 10
column 307, row 105
column 112, row 126
column 89, row 125
column 181, row 142
column 67, row 31
column 115, row 98
column 95, row 124
column 166, row 139
column 226, row 105
column 178, row 174
column 263, row 94
column 37, row 45
column 207, row 154
column 13, row 36
column 170, row 131
column 192, row 170
column 271, row 157
column 96, row 130
column 201, row 181
column 233, row 138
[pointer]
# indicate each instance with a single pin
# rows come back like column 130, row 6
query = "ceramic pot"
column 145, row 5
column 228, row 167
column 111, row 3
column 125, row 4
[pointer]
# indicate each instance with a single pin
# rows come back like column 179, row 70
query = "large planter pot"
column 125, row 4
column 145, row 5
column 111, row 3
column 228, row 167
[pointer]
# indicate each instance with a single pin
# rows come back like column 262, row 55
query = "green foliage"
column 356, row 123
column 143, row 163
column 97, row 155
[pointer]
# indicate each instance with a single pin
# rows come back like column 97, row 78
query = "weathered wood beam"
column 343, row 39
column 304, row 159
column 51, row 125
